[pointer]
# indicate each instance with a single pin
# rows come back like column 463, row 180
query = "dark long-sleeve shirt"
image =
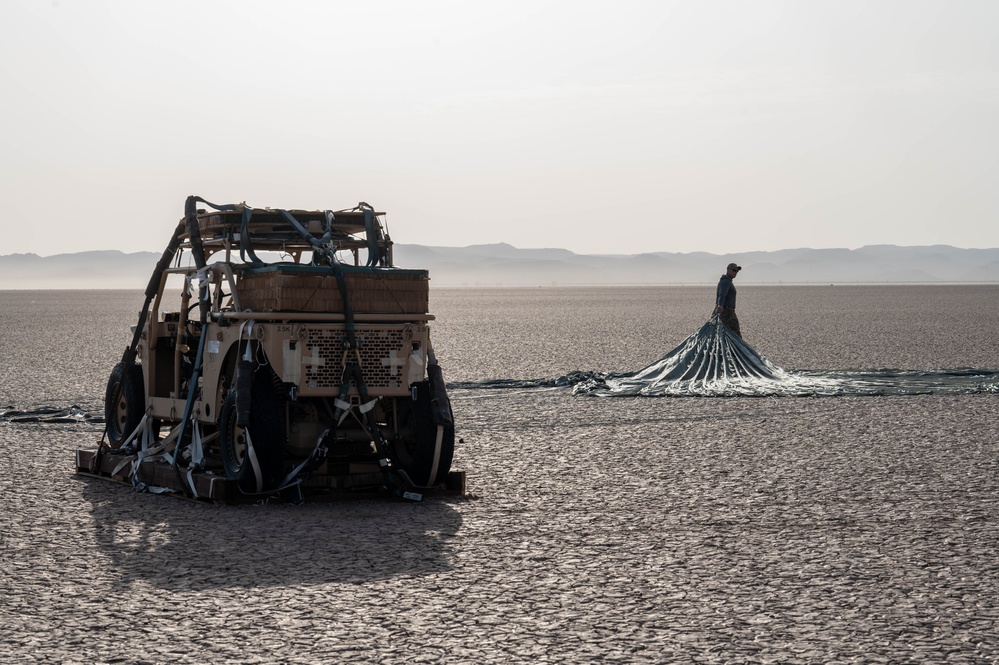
column 726, row 293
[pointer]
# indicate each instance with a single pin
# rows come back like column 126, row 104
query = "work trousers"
column 730, row 320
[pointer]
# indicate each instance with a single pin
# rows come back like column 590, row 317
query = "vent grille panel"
column 383, row 355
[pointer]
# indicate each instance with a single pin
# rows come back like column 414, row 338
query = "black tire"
column 267, row 434
column 416, row 445
column 124, row 402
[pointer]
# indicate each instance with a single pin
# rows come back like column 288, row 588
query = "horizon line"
column 504, row 243
column 592, row 285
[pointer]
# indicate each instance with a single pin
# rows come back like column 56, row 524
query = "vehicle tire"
column 416, row 447
column 267, row 434
column 124, row 402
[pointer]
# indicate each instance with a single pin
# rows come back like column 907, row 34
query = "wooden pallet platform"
column 216, row 488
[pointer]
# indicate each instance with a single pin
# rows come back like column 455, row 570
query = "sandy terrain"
column 848, row 529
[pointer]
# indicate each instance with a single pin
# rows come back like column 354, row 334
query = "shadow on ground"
column 180, row 545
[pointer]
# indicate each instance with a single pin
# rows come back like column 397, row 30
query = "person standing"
column 725, row 299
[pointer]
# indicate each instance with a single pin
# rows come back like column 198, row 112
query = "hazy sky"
column 601, row 127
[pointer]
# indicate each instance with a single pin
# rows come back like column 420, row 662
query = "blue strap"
column 372, row 234
column 245, row 243
column 318, row 243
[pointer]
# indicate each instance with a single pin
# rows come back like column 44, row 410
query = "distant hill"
column 503, row 264
column 488, row 265
column 106, row 269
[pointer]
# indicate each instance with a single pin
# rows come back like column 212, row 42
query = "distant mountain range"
column 504, row 265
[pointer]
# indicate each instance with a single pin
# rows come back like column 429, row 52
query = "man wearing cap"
column 725, row 300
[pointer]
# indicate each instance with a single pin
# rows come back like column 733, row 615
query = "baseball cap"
column 735, row 267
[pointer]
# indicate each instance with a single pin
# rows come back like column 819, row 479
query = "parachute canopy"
column 714, row 362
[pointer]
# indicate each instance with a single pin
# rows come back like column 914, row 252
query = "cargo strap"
column 245, row 242
column 192, row 391
column 144, row 448
column 198, row 251
column 308, row 465
column 396, row 479
column 372, row 234
column 317, row 243
column 197, row 462
column 141, row 447
column 251, row 453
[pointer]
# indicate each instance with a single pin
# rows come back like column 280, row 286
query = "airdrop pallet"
column 211, row 487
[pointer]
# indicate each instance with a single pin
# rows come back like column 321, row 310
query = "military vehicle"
column 273, row 362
